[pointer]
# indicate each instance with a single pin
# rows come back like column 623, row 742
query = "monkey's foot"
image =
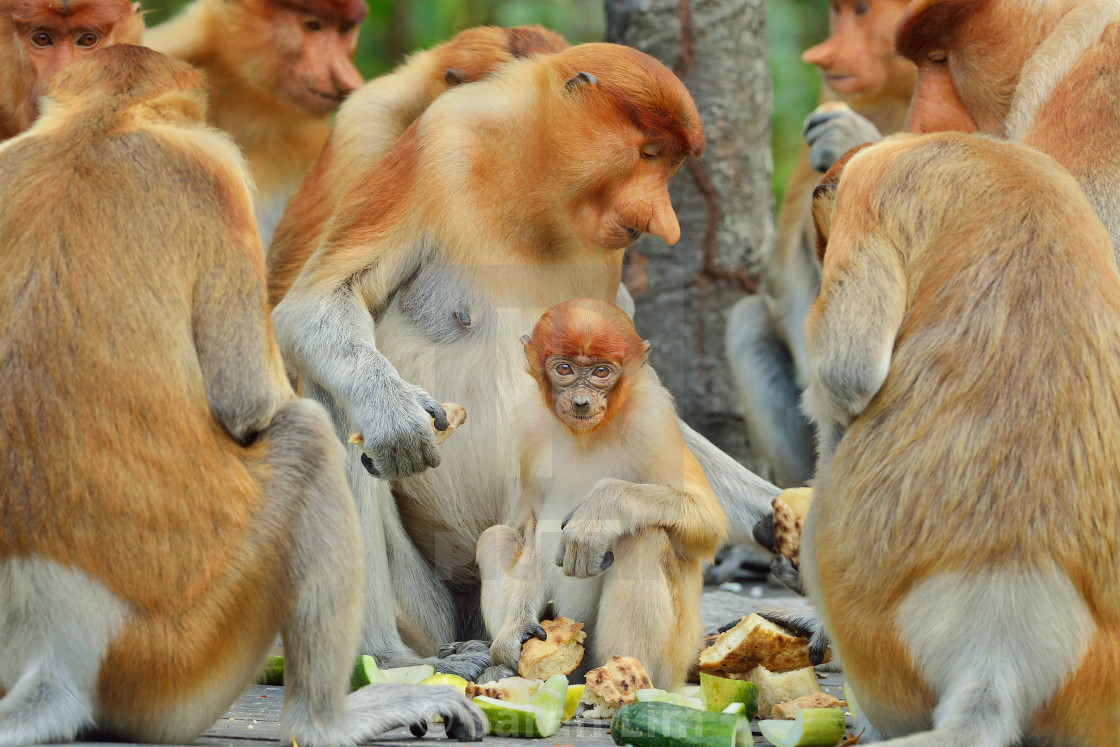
column 467, row 659
column 804, row 623
column 495, row 673
column 378, row 708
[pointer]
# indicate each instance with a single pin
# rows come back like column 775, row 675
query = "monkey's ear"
column 581, row 79
column 646, row 347
column 452, row 77
column 525, row 340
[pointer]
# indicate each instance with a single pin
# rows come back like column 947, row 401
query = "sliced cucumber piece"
column 814, row 727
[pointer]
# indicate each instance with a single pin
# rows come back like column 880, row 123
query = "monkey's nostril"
column 581, row 404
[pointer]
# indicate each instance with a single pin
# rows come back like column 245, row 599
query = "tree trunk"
column 723, row 200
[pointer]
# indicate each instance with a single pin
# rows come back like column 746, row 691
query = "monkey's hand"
column 396, row 426
column 804, row 623
column 589, row 531
column 831, row 130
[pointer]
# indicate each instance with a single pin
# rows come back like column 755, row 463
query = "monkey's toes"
column 465, row 722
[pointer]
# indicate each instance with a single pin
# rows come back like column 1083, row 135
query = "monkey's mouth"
column 585, row 422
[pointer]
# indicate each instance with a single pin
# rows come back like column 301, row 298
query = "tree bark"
column 723, row 201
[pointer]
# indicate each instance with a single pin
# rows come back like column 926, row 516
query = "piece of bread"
column 788, row 710
column 755, row 642
column 560, row 653
column 787, row 531
column 614, row 685
column 456, row 416
column 780, row 687
column 509, row 689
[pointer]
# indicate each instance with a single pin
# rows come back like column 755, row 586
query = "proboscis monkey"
column 765, row 342
column 169, row 505
column 38, row 38
column 964, row 358
column 506, row 197
column 1037, row 72
column 616, row 517
column 373, row 118
column 277, row 69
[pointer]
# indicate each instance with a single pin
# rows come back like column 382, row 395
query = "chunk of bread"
column 787, row 531
column 789, row 709
column 456, row 416
column 613, row 685
column 780, row 687
column 755, row 642
column 560, row 653
column 509, row 689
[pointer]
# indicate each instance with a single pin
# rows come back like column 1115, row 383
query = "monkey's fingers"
column 534, row 632
column 368, row 464
column 438, row 414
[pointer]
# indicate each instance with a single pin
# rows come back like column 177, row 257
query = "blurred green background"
column 396, row 27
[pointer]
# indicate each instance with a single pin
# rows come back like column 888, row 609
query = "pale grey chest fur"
column 442, row 306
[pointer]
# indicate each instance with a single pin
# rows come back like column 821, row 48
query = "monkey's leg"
column 992, row 646
column 55, row 624
column 513, row 596
column 766, row 380
column 395, row 570
column 650, row 608
column 306, row 485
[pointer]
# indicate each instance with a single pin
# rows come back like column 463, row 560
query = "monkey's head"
column 622, row 126
column 301, row 49
column 970, row 56
column 583, row 354
column 858, row 59
column 824, row 199
column 51, row 35
column 477, row 52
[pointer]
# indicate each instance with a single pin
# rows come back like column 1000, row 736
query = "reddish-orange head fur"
column 44, row 38
column 588, row 349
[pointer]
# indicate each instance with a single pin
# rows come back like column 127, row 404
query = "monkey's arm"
column 833, row 129
column 241, row 365
column 185, row 36
column 744, row 496
column 681, row 502
column 851, row 331
column 325, row 328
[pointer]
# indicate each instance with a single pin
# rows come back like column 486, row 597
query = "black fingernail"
column 763, row 532
column 540, row 634
column 608, row 561
column 368, row 464
column 451, row 726
column 567, row 518
column 439, row 415
column 419, row 729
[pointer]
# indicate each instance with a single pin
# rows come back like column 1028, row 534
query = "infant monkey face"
column 581, row 391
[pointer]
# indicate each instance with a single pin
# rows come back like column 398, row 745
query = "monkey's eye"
column 602, row 372
column 346, row 27
column 862, row 8
column 88, row 39
column 564, row 369
column 650, row 152
column 312, row 24
column 41, row 39
column 937, row 57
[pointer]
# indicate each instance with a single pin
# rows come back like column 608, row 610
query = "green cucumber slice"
column 409, row 675
column 538, row 718
column 814, row 727
column 365, row 672
column 719, row 692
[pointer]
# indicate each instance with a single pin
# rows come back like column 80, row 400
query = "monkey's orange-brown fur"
column 169, row 505
column 623, row 508
column 276, row 70
column 39, row 38
column 506, row 197
column 1038, row 72
column 961, row 544
column 373, row 118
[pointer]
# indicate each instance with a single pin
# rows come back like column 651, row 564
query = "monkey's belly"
column 445, row 509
